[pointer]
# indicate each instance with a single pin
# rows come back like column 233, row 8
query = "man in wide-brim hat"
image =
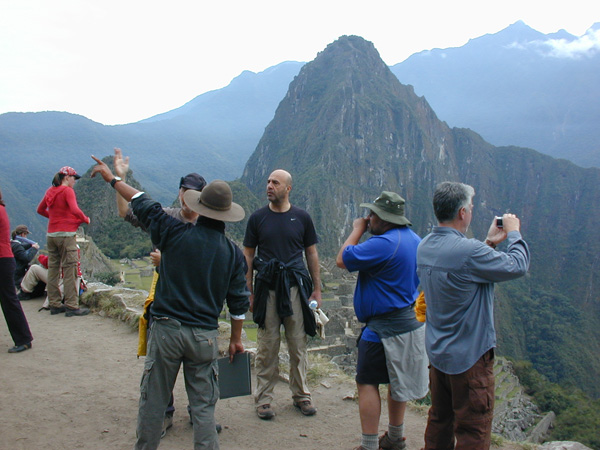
column 215, row 202
column 198, row 271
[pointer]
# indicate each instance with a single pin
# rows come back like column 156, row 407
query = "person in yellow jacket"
column 144, row 319
column 420, row 307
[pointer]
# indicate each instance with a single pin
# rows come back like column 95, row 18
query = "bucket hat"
column 389, row 206
column 215, row 202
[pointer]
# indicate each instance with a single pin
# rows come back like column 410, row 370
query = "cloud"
column 517, row 45
column 586, row 45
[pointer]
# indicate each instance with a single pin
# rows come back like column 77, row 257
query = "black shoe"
column 60, row 309
column 77, row 312
column 24, row 295
column 19, row 348
column 219, row 427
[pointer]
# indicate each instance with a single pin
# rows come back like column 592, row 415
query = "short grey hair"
column 449, row 197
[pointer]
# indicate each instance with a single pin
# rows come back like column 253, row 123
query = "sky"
column 121, row 61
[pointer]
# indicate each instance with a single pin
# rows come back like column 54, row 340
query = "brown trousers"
column 462, row 407
column 62, row 256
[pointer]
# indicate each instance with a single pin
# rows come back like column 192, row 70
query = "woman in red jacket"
column 11, row 307
column 60, row 206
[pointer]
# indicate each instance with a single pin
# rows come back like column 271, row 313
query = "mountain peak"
column 346, row 117
column 517, row 32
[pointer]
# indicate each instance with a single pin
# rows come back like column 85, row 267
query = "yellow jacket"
column 420, row 307
column 143, row 325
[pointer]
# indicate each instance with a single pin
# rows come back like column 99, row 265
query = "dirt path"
column 78, row 388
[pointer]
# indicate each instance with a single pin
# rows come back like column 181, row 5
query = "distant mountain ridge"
column 511, row 95
column 518, row 87
column 213, row 134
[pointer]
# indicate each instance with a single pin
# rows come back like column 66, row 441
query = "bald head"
column 283, row 175
column 279, row 186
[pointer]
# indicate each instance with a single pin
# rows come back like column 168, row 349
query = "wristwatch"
column 114, row 181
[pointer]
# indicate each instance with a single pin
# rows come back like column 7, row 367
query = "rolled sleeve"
column 489, row 265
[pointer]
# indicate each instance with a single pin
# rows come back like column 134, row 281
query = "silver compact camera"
column 499, row 223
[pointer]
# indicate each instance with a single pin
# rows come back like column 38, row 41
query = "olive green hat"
column 389, row 206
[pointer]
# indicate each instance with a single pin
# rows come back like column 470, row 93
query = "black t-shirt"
column 282, row 236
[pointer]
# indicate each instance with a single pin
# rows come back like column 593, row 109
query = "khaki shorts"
column 407, row 364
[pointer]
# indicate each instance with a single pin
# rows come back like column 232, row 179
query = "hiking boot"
column 60, row 309
column 77, row 312
column 167, row 423
column 265, row 412
column 387, row 444
column 306, row 407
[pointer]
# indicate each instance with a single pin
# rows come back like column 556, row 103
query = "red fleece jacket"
column 5, row 248
column 60, row 206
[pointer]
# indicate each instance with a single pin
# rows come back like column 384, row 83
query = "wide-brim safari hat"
column 389, row 206
column 215, row 202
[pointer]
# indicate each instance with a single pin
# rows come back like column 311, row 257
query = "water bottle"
column 313, row 304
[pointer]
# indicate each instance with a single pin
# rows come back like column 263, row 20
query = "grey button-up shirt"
column 458, row 275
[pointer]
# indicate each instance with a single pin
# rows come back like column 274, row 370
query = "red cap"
column 66, row 170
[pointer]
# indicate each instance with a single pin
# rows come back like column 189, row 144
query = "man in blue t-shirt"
column 283, row 233
column 391, row 349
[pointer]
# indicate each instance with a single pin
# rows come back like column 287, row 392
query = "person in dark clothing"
column 11, row 307
column 283, row 233
column 184, row 214
column 24, row 251
column 198, row 272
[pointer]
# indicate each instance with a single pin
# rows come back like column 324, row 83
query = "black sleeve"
column 310, row 234
column 237, row 298
column 152, row 216
column 251, row 237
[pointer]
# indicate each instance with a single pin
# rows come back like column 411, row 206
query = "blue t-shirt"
column 387, row 278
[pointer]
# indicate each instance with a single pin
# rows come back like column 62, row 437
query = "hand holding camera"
column 500, row 227
column 508, row 222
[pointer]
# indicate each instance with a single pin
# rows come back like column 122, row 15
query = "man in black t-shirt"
column 283, row 234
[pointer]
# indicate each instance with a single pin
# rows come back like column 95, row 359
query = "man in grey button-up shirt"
column 458, row 275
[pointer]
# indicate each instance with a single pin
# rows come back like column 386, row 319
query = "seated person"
column 24, row 250
column 35, row 279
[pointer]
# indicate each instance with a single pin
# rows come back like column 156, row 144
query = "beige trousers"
column 267, row 358
column 34, row 275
